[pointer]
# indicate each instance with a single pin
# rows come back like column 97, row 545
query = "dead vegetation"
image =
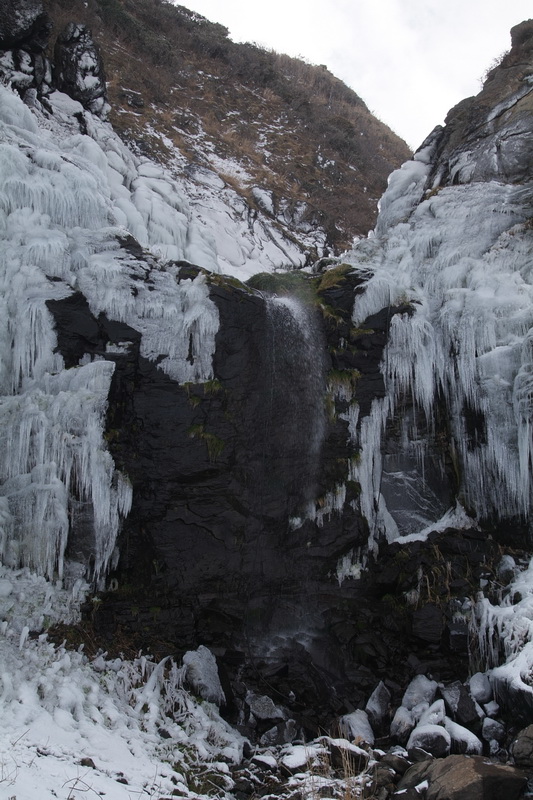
column 298, row 130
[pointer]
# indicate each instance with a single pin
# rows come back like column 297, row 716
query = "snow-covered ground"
column 75, row 728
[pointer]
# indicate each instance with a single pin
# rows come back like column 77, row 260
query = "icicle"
column 463, row 262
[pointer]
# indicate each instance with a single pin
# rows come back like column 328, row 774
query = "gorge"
column 303, row 476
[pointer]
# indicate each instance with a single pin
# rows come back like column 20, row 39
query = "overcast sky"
column 410, row 60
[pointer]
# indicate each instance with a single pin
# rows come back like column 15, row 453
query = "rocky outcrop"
column 24, row 33
column 489, row 137
column 24, row 24
column 79, row 69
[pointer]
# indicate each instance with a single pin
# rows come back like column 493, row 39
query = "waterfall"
column 295, row 414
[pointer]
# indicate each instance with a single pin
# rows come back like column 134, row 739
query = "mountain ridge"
column 175, row 80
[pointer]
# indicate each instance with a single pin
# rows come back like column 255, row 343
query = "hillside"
column 290, row 138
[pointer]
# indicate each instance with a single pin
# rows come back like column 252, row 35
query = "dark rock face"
column 79, row 69
column 24, row 33
column 495, row 133
column 209, row 554
column 218, row 470
column 23, row 24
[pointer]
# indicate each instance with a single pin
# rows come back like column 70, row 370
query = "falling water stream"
column 296, row 385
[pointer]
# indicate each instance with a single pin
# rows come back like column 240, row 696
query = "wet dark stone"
column 428, row 623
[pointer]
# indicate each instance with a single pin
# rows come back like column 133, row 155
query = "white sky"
column 409, row 60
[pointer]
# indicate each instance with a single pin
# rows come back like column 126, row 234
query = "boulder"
column 506, row 569
column 398, row 763
column 202, row 675
column 491, row 709
column 464, row 778
column 434, row 739
column 522, row 748
column 460, row 705
column 480, row 688
column 434, row 715
column 462, row 740
column 420, row 690
column 378, row 706
column 357, row 726
column 402, row 724
column 347, row 757
column 492, row 730
column 263, row 708
column 282, row 733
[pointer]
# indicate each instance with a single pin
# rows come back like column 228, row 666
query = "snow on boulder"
column 461, row 707
column 357, row 726
column 463, row 741
column 480, row 688
column 299, row 757
column 265, row 760
column 346, row 756
column 202, row 674
column 418, row 711
column 420, row 690
column 433, row 739
column 434, row 715
column 492, row 709
column 378, row 706
column 402, row 724
column 506, row 569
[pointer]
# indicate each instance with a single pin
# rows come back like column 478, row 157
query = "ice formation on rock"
column 461, row 257
column 67, row 206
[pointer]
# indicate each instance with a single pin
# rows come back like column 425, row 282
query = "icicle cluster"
column 462, row 258
column 67, row 202
column 503, row 633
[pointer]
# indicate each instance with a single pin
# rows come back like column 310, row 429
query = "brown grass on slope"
column 297, row 129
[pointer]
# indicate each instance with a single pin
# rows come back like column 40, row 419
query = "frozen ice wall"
column 68, row 202
column 462, row 257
